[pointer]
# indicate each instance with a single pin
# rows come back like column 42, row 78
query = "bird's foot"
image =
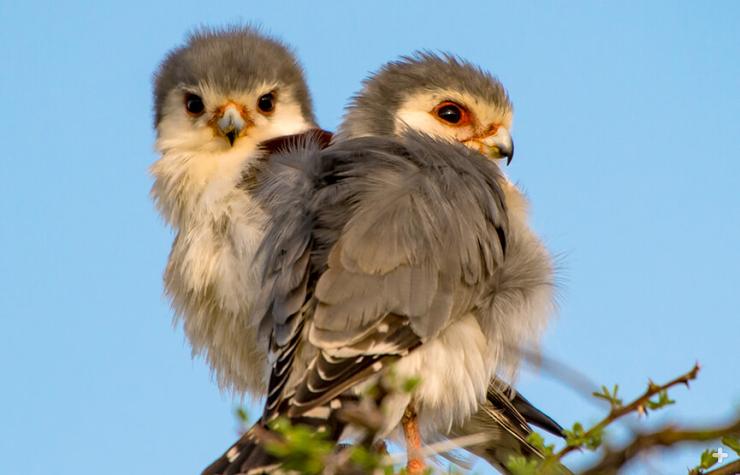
column 415, row 463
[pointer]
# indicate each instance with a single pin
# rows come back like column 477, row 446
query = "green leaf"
column 410, row 384
column 302, row 448
column 578, row 437
column 707, row 459
column 609, row 396
column 520, row 465
column 575, row 435
column 538, row 442
column 595, row 438
column 663, row 400
column 242, row 415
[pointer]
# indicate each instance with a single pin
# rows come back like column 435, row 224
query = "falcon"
column 217, row 100
column 404, row 243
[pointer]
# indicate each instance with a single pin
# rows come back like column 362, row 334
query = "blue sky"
column 628, row 143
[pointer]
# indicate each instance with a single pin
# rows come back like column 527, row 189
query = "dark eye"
column 450, row 113
column 194, row 104
column 266, row 102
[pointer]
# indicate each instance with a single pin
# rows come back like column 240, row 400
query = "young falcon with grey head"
column 396, row 245
column 216, row 99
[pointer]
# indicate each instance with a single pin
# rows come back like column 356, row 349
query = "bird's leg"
column 410, row 423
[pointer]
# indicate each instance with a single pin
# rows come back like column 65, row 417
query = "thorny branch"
column 639, row 405
column 614, row 459
column 367, row 457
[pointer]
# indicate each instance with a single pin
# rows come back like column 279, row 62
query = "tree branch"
column 731, row 468
column 638, row 405
column 614, row 459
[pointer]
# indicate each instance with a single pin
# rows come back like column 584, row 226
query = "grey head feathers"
column 229, row 59
column 371, row 111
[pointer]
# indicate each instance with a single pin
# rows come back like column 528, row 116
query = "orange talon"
column 415, row 464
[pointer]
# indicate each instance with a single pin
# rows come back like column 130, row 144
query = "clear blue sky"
column 627, row 132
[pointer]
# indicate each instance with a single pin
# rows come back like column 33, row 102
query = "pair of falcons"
column 304, row 264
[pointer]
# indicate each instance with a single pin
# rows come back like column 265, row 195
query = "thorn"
column 695, row 371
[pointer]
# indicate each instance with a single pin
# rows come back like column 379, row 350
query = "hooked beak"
column 499, row 145
column 231, row 124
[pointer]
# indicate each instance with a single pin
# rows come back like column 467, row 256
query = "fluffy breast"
column 213, row 280
column 453, row 371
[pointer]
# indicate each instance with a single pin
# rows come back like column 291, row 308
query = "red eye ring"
column 451, row 113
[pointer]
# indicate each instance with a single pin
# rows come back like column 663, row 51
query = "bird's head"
column 215, row 99
column 439, row 95
column 224, row 86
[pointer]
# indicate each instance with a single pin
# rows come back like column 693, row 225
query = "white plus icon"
column 720, row 455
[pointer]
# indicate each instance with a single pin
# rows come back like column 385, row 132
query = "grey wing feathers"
column 395, row 235
column 424, row 223
column 284, row 191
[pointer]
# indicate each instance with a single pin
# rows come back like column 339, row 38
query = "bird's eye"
column 194, row 104
column 266, row 102
column 452, row 113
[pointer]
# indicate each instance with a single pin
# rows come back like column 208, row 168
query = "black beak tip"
column 231, row 136
column 510, row 155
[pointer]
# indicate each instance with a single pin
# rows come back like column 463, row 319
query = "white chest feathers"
column 453, row 371
column 213, row 280
column 217, row 254
column 212, row 277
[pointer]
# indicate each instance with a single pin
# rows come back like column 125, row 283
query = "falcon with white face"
column 453, row 100
column 396, row 243
column 216, row 99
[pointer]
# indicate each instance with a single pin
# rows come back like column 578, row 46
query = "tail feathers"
column 507, row 438
column 506, row 417
column 248, row 455
column 245, row 457
column 517, row 408
column 536, row 417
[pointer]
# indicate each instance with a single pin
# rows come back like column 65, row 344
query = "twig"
column 612, row 460
column 447, row 445
column 732, row 468
column 638, row 405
